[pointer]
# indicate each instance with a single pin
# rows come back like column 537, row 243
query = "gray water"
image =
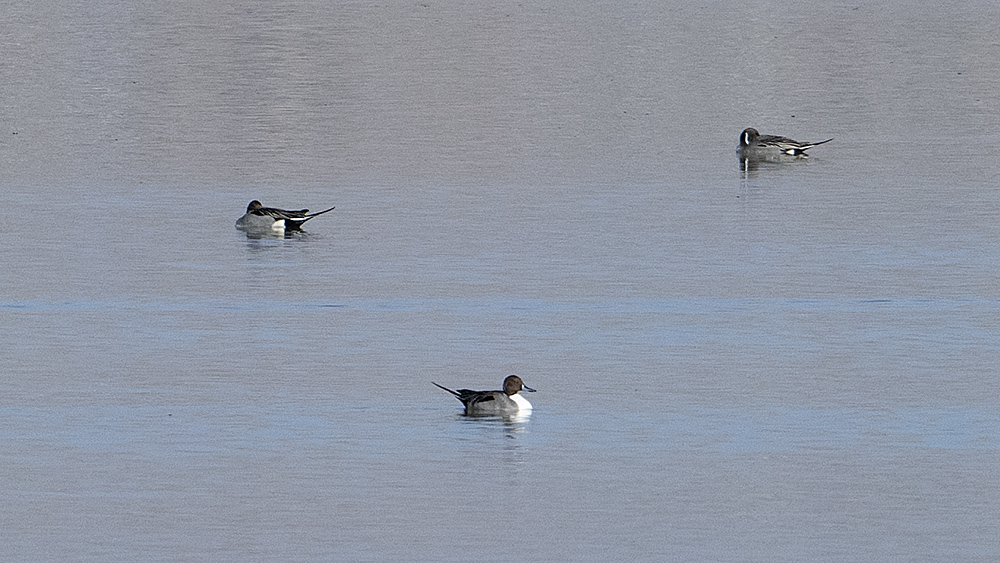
column 791, row 362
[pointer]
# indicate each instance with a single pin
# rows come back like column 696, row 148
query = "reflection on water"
column 515, row 419
column 258, row 234
column 512, row 424
column 751, row 165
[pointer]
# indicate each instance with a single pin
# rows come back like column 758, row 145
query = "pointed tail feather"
column 455, row 393
column 311, row 215
column 298, row 221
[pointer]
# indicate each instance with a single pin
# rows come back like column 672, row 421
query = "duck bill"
column 526, row 388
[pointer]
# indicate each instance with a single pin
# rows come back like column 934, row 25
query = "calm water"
column 795, row 362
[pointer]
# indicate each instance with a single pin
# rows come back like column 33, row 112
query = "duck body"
column 259, row 218
column 487, row 403
column 753, row 143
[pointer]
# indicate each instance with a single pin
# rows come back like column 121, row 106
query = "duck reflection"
column 751, row 164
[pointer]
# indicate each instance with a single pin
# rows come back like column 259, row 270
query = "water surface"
column 794, row 361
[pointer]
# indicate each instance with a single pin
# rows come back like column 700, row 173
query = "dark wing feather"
column 281, row 213
column 476, row 397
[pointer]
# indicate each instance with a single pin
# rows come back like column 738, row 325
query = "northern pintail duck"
column 751, row 141
column 260, row 218
column 508, row 401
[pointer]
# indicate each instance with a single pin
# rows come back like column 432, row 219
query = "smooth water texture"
column 790, row 361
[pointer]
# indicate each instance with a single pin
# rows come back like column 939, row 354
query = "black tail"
column 455, row 393
column 293, row 224
column 311, row 215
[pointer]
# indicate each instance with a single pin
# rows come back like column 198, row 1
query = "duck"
column 260, row 218
column 506, row 402
column 752, row 142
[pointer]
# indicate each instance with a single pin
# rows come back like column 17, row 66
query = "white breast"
column 522, row 403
